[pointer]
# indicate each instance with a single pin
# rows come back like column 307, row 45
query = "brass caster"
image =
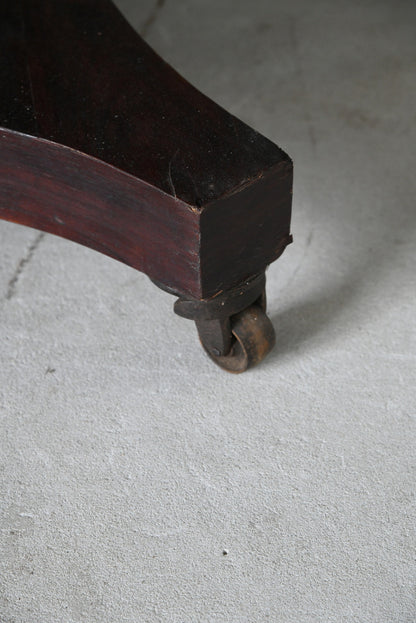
column 233, row 326
column 253, row 337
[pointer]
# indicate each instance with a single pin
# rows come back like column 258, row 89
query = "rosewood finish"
column 103, row 143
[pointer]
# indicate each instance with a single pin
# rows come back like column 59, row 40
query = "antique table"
column 103, row 143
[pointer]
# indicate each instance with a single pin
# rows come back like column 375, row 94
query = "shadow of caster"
column 103, row 143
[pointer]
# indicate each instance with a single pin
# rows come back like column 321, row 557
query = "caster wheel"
column 253, row 338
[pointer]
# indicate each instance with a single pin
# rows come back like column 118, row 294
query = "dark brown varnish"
column 103, row 143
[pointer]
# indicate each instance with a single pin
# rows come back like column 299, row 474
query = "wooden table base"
column 103, row 143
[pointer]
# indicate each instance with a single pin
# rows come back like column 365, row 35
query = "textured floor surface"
column 129, row 464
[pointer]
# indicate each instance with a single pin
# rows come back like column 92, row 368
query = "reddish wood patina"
column 104, row 143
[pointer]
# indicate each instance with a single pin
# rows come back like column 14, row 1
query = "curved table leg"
column 103, row 143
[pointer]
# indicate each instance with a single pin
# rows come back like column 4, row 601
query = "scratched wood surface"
column 142, row 166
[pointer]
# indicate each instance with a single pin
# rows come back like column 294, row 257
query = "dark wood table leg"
column 103, row 143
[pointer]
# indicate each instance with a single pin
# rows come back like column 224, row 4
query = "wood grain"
column 125, row 156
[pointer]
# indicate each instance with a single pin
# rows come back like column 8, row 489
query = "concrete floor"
column 130, row 463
